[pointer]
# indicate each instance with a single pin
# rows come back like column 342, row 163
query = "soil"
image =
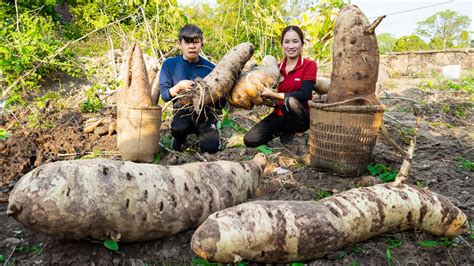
column 445, row 138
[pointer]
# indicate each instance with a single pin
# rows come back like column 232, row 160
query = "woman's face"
column 291, row 44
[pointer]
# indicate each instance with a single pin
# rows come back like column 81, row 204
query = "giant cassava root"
column 220, row 81
column 101, row 199
column 355, row 58
column 285, row 231
column 246, row 92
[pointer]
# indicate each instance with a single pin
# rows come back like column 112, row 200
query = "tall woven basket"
column 342, row 138
column 138, row 132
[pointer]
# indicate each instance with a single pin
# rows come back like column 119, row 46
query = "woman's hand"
column 268, row 93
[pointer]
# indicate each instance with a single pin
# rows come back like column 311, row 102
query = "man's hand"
column 181, row 86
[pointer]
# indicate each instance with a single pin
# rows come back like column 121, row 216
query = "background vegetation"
column 37, row 39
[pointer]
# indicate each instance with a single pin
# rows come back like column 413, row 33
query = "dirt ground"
column 444, row 138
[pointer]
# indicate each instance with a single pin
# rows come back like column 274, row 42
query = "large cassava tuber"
column 222, row 78
column 247, row 89
column 101, row 199
column 355, row 58
column 285, row 231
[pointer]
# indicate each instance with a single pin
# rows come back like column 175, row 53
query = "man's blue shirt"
column 177, row 68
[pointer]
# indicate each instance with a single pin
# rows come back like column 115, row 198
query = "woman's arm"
column 303, row 94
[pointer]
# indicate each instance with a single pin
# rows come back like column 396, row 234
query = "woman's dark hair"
column 295, row 29
column 190, row 33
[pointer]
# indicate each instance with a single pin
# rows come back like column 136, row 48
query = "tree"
column 408, row 43
column 445, row 29
column 386, row 42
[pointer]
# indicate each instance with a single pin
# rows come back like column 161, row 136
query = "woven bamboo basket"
column 342, row 138
column 138, row 132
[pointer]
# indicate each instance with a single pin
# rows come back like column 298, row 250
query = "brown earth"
column 443, row 137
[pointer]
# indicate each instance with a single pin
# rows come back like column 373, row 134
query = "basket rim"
column 348, row 108
column 158, row 107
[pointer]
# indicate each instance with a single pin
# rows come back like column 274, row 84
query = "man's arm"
column 166, row 82
column 168, row 91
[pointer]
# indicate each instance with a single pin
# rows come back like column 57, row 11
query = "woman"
column 291, row 114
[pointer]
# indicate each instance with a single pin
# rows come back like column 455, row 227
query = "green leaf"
column 203, row 262
column 389, row 257
column 429, row 243
column 111, row 244
column 395, row 243
column 2, row 259
column 297, row 264
column 264, row 149
column 157, row 159
column 4, row 134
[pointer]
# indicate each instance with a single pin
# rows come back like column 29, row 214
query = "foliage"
column 386, row 42
column 318, row 23
column 410, row 43
column 111, row 244
column 264, row 149
column 442, row 242
column 29, row 45
column 464, row 163
column 445, row 29
column 321, row 194
column 95, row 153
column 382, row 171
column 393, row 243
column 226, row 122
column 37, row 249
column 92, row 103
column 4, row 135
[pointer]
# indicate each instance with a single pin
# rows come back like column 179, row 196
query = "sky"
column 401, row 24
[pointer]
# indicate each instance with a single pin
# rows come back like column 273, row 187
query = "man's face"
column 191, row 50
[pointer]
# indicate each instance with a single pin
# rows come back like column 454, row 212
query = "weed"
column 95, row 153
column 382, row 171
column 36, row 120
column 406, row 133
column 4, row 135
column 464, row 163
column 321, row 194
column 226, row 122
column 42, row 101
column 37, row 249
column 471, row 230
column 420, row 184
column 393, row 243
column 441, row 242
column 92, row 103
column 440, row 124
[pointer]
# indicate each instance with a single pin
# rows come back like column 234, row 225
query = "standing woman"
column 290, row 118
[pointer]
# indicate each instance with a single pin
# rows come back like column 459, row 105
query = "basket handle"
column 346, row 101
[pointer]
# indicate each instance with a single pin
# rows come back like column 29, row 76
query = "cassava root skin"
column 285, row 231
column 355, row 59
column 246, row 92
column 221, row 79
column 102, row 199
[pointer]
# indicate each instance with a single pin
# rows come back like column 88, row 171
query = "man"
column 177, row 74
